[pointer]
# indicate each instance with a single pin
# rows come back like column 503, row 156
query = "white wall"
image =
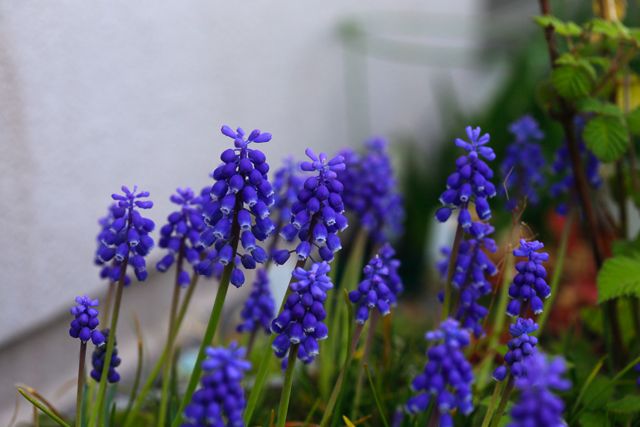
column 94, row 94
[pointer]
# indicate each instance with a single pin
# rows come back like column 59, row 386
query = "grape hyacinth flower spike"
column 300, row 323
column 537, row 404
column 447, row 376
column 380, row 287
column 85, row 321
column 259, row 309
column 522, row 168
column 124, row 239
column 472, row 267
column 317, row 215
column 522, row 347
column 237, row 218
column 239, row 214
column 98, row 361
column 287, row 183
column 530, row 284
column 471, row 182
column 220, row 400
column 180, row 236
column 371, row 192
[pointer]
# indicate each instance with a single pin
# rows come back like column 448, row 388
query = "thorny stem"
column 566, row 118
column 446, row 306
column 335, row 393
column 166, row 372
column 283, row 407
column 81, row 376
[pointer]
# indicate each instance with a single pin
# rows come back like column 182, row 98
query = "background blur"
column 98, row 94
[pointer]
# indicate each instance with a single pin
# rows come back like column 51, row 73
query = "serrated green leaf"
column 566, row 29
column 611, row 29
column 593, row 105
column 618, row 277
column 629, row 404
column 572, row 82
column 607, row 137
column 633, row 121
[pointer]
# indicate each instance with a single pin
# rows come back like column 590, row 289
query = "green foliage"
column 568, row 28
column 606, row 136
column 572, row 81
column 633, row 122
column 619, row 277
column 628, row 405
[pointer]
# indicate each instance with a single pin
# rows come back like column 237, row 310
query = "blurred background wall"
column 98, row 94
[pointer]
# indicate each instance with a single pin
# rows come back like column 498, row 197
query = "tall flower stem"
column 492, row 404
column 81, row 377
column 261, row 375
column 148, row 385
column 446, row 306
column 557, row 271
column 209, row 333
column 337, row 388
column 565, row 117
column 107, row 304
column 283, row 407
column 368, row 344
column 102, row 390
column 166, row 372
column 504, row 398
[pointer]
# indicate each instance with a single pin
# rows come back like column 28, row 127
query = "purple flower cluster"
column 563, row 187
column 181, row 234
column 380, row 287
column 529, row 284
column 220, row 401
column 470, row 277
column 85, row 321
column 370, row 191
column 522, row 347
column 522, row 168
column 471, row 182
column 300, row 322
column 125, row 239
column 317, row 215
column 259, row 309
column 287, row 183
column 538, row 405
column 241, row 200
column 98, row 358
column 447, row 376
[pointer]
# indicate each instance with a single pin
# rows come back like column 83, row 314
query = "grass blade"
column 376, row 397
column 28, row 394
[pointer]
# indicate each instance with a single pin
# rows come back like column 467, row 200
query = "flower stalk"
column 81, row 380
column 285, row 396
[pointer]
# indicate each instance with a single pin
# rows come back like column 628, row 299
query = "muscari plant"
column 486, row 360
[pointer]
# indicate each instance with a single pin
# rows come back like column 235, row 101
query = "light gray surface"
column 96, row 94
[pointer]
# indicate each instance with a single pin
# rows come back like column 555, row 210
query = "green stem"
column 492, row 404
column 506, row 392
column 261, row 375
column 102, row 390
column 166, row 372
column 328, row 411
column 446, row 306
column 212, row 325
column 363, row 361
column 557, row 272
column 148, row 385
column 283, row 407
column 81, row 376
